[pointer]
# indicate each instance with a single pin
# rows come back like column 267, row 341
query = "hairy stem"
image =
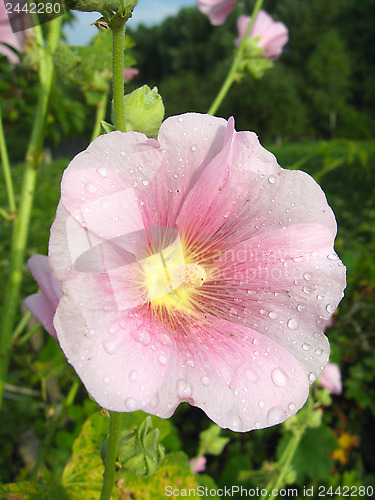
column 111, row 455
column 233, row 71
column 22, row 220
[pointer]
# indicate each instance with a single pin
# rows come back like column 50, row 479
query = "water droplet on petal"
column 92, row 331
column 162, row 360
column 183, row 388
column 272, row 315
column 90, row 187
column 106, row 380
column 145, row 183
column 256, row 342
column 330, row 308
column 193, row 147
column 291, row 406
column 261, row 403
column 293, row 324
column 190, row 363
column 332, row 256
column 298, row 259
column 133, row 376
column 251, row 375
column 180, row 119
column 272, row 179
column 275, row 415
column 131, row 404
column 142, row 336
column 102, row 171
column 205, row 381
column 318, row 352
column 109, row 346
column 320, row 297
column 306, row 347
column 122, row 153
column 307, row 276
column 312, row 377
column 279, row 377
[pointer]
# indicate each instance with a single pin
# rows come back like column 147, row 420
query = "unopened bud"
column 144, row 111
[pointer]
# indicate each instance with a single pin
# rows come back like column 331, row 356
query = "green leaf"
column 107, row 127
column 45, row 489
column 312, row 459
column 210, row 441
column 174, row 473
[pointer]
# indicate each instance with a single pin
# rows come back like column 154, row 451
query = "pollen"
column 195, row 276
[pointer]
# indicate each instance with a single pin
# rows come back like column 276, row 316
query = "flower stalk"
column 233, row 71
column 111, row 454
column 22, row 219
column 6, row 169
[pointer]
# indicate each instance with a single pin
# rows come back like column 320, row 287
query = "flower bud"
column 144, row 111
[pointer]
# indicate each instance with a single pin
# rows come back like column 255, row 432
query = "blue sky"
column 147, row 12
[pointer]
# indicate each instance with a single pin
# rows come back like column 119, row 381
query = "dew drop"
column 272, row 315
column 142, row 336
column 183, row 388
column 180, row 119
column 298, row 259
column 193, row 147
column 330, row 308
column 279, row 377
column 306, row 347
column 256, row 342
column 205, row 381
column 90, row 187
column 133, row 376
column 320, row 297
column 145, row 183
column 332, row 256
column 306, row 289
column 109, row 346
column 261, row 403
column 307, row 276
column 131, row 404
column 251, row 375
column 162, row 360
column 275, row 415
column 92, row 331
column 190, row 363
column 272, row 179
column 122, row 153
column 291, row 406
column 106, row 380
column 102, row 171
column 312, row 377
column 293, row 324
column 318, row 352
column 300, row 307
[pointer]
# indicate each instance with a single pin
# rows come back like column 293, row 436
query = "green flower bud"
column 139, row 450
column 144, row 111
column 87, row 5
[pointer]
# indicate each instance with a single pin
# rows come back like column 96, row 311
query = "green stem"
column 21, row 325
column 22, row 221
column 101, row 108
column 6, row 168
column 118, row 40
column 68, row 401
column 111, row 454
column 233, row 71
column 285, row 462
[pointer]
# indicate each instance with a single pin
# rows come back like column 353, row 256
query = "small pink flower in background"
column 331, row 378
column 216, row 10
column 7, row 37
column 43, row 305
column 198, row 464
column 194, row 269
column 130, row 73
column 273, row 35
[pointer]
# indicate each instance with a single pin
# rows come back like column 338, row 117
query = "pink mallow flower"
column 43, row 305
column 198, row 464
column 272, row 35
column 331, row 378
column 194, row 269
column 216, row 10
column 7, row 37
